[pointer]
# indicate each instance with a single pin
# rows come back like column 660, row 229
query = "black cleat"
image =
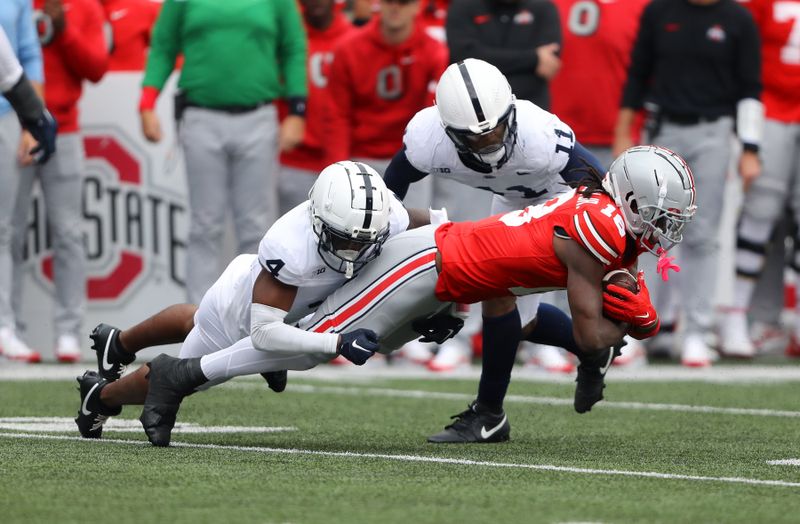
column 276, row 380
column 591, row 379
column 475, row 424
column 111, row 358
column 93, row 413
column 170, row 380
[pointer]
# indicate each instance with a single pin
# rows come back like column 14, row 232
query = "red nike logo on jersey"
column 671, row 28
column 480, row 19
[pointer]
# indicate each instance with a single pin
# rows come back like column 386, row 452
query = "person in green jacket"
column 239, row 57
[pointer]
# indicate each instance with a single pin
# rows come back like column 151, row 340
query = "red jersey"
column 598, row 38
column 131, row 23
column 432, row 16
column 513, row 253
column 376, row 88
column 310, row 154
column 779, row 27
column 79, row 53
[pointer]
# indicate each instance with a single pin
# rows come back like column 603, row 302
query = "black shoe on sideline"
column 111, row 358
column 92, row 414
column 475, row 425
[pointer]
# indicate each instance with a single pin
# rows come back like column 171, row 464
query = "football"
column 621, row 278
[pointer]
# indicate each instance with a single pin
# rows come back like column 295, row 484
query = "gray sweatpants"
column 706, row 147
column 9, row 179
column 231, row 163
column 61, row 179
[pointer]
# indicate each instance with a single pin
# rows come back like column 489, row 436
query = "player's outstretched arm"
column 593, row 332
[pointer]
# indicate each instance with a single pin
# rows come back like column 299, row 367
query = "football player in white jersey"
column 480, row 135
column 253, row 307
column 19, row 92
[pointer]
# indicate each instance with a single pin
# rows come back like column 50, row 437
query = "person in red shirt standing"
column 598, row 38
column 131, row 23
column 74, row 49
column 381, row 75
column 766, row 197
column 325, row 26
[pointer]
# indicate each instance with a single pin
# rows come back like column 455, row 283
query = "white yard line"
column 67, row 425
column 378, row 370
column 420, row 459
column 784, row 462
column 522, row 399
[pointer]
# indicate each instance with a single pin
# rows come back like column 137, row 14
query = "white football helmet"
column 478, row 113
column 655, row 190
column 350, row 209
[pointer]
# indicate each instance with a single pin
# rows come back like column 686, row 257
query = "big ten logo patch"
column 133, row 231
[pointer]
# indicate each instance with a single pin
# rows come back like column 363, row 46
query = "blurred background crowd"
column 271, row 92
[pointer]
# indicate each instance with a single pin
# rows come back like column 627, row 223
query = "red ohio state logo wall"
column 131, row 227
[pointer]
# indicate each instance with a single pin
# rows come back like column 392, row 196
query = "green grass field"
column 357, row 453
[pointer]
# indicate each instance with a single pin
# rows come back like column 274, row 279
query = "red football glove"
column 632, row 308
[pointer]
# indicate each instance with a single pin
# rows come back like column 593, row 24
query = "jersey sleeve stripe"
column 598, row 237
column 586, row 242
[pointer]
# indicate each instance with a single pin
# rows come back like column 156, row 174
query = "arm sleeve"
column 29, row 51
column 749, row 60
column 400, row 174
column 579, row 159
column 83, row 49
column 292, row 49
column 10, row 69
column 165, row 44
column 642, row 58
column 463, row 40
column 268, row 332
column 338, row 108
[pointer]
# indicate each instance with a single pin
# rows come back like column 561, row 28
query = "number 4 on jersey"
column 274, row 266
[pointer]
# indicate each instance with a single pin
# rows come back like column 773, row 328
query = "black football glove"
column 358, row 345
column 437, row 328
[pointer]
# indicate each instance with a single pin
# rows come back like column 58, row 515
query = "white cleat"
column 452, row 354
column 551, row 359
column 13, row 348
column 633, row 354
column 67, row 349
column 734, row 336
column 696, row 353
column 417, row 352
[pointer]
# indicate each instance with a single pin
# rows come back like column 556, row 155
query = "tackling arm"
column 272, row 301
column 579, row 160
column 593, row 332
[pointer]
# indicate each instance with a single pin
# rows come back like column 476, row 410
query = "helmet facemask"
column 347, row 253
column 493, row 146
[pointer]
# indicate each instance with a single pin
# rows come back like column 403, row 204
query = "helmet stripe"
column 368, row 188
column 473, row 95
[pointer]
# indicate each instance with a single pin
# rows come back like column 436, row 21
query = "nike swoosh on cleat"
column 106, row 364
column 645, row 316
column 486, row 434
column 86, row 399
column 604, row 369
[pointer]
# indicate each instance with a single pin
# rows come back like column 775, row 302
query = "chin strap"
column 665, row 263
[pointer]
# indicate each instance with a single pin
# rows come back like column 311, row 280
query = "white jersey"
column 10, row 68
column 289, row 252
column 530, row 176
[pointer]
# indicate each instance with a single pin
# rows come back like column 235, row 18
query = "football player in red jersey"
column 767, row 196
column 381, row 75
column 569, row 242
column 131, row 23
column 325, row 27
